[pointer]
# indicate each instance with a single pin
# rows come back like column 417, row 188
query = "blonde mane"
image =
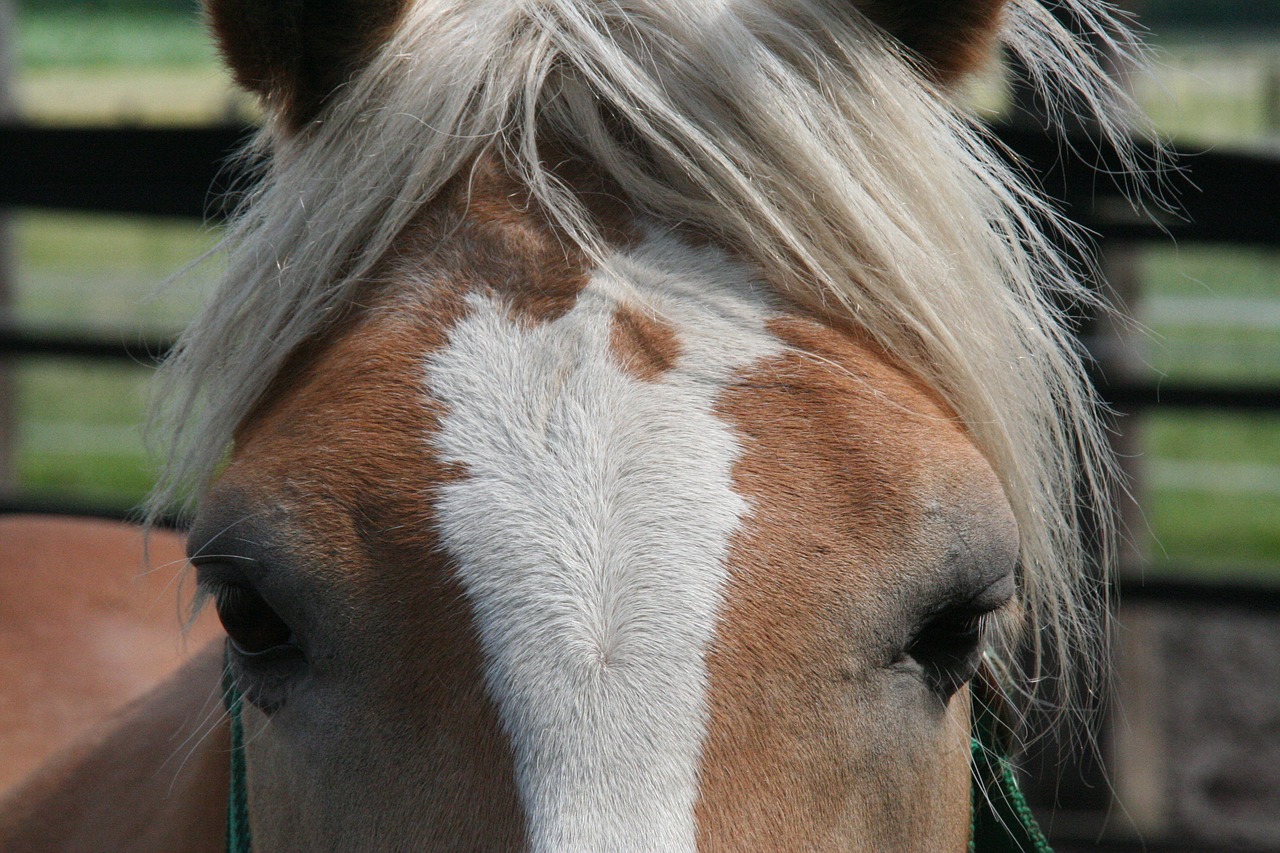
column 795, row 130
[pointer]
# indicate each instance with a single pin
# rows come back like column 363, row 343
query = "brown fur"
column 501, row 243
column 484, row 235
column 643, row 344
column 153, row 779
column 295, row 53
column 814, row 738
column 85, row 628
column 953, row 37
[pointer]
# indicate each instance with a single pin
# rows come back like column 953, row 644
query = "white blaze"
column 591, row 532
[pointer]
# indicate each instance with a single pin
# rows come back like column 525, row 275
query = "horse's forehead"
column 609, row 481
column 644, row 364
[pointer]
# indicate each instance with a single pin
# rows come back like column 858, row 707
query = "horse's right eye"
column 948, row 643
column 265, row 653
column 254, row 627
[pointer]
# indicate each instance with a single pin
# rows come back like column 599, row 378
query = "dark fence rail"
column 18, row 341
column 1090, row 845
column 183, row 172
column 1220, row 196
column 1245, row 16
column 1135, row 396
column 151, row 171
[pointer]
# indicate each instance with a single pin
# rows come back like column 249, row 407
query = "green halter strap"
column 238, row 837
column 1002, row 821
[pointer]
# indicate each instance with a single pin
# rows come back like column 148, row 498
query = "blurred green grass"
column 1183, row 340
column 120, row 62
column 79, row 424
column 80, row 432
column 1207, row 92
column 1213, row 535
column 97, row 37
column 110, row 273
column 1210, row 481
column 1211, row 487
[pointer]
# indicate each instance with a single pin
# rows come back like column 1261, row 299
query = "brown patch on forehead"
column 515, row 252
column 642, row 344
column 483, row 235
column 488, row 235
column 804, row 751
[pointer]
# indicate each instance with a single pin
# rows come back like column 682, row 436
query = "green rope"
column 238, row 838
column 1002, row 821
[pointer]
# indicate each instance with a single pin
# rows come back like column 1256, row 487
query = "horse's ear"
column 295, row 53
column 952, row 37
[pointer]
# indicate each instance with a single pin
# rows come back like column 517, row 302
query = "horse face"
column 530, row 553
column 652, row 561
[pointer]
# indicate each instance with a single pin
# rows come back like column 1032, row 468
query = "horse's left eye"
column 948, row 647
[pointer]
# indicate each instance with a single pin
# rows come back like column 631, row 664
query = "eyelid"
column 979, row 604
column 202, row 559
column 995, row 595
column 217, row 587
column 215, row 572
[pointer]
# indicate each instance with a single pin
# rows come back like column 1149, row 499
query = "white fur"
column 591, row 532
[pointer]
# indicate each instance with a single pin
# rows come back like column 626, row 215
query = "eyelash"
column 948, row 647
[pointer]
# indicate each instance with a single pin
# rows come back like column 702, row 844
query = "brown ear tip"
column 953, row 38
column 295, row 53
column 252, row 39
column 963, row 59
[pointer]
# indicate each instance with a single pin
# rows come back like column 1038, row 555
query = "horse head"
column 643, row 418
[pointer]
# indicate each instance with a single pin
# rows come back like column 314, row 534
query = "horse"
column 623, row 424
column 114, row 625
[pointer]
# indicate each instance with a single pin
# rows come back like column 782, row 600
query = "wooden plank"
column 1221, row 196
column 1225, row 197
column 156, row 171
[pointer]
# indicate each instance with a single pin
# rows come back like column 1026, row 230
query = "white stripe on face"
column 591, row 531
